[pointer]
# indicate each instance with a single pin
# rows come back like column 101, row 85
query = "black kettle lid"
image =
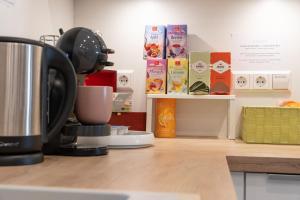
column 21, row 40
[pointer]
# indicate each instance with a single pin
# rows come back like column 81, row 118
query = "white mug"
column 94, row 104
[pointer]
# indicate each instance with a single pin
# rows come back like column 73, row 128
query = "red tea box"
column 220, row 76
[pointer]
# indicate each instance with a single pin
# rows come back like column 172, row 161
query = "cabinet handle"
column 290, row 177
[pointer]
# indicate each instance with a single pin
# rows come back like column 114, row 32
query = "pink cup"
column 94, row 104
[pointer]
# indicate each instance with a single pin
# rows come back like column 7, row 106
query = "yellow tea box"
column 177, row 76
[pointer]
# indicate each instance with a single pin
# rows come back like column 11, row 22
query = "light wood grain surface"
column 196, row 166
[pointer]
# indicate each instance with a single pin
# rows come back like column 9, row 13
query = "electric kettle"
column 28, row 70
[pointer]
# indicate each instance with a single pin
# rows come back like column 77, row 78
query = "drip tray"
column 132, row 139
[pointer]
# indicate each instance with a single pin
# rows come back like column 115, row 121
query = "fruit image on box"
column 154, row 46
column 156, row 76
column 199, row 73
column 176, row 41
column 177, row 76
column 220, row 77
column 165, row 125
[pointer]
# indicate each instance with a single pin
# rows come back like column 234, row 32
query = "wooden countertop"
column 172, row 165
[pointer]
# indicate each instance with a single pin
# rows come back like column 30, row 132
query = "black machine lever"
column 107, row 63
column 108, row 51
column 61, row 31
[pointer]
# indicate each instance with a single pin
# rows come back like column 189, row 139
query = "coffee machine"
column 88, row 54
column 26, row 71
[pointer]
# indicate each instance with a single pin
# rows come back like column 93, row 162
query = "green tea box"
column 199, row 73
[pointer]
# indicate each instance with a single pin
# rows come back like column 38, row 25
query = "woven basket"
column 271, row 125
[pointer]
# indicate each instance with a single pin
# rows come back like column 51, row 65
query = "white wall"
column 210, row 25
column 33, row 18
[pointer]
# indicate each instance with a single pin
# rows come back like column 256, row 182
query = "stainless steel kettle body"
column 20, row 90
column 24, row 68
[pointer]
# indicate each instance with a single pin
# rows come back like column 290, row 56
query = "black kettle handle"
column 58, row 60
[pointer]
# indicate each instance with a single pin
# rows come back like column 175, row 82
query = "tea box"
column 165, row 126
column 156, row 76
column 199, row 72
column 154, row 45
column 220, row 63
column 176, row 41
column 177, row 76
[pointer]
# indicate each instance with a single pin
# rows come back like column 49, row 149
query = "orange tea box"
column 156, row 76
column 220, row 77
column 165, row 125
column 177, row 76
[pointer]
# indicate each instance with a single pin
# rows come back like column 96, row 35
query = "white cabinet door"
column 238, row 181
column 261, row 186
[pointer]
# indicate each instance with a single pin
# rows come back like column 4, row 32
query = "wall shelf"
column 231, row 133
column 187, row 96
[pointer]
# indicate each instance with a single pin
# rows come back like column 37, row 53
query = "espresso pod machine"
column 86, row 132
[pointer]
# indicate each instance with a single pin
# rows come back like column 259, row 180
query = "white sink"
column 8, row 192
